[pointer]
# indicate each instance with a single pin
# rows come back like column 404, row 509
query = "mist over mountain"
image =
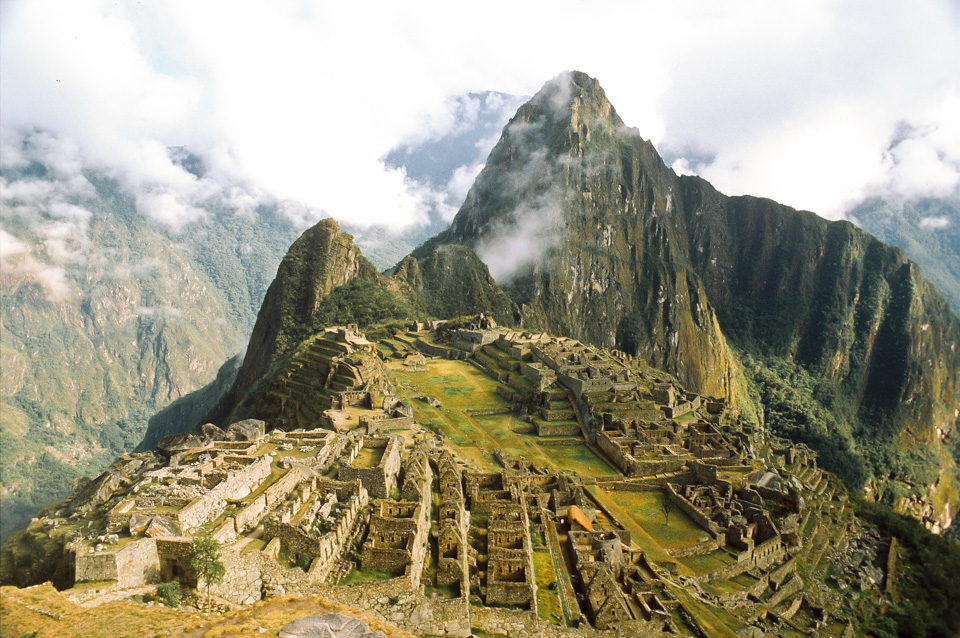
column 108, row 317
column 927, row 229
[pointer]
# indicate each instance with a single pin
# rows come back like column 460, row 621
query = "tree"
column 205, row 563
column 665, row 508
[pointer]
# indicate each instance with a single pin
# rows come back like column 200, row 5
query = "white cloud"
column 17, row 258
column 297, row 102
column 934, row 222
column 10, row 246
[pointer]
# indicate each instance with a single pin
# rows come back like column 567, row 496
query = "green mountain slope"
column 593, row 236
column 105, row 325
column 928, row 230
column 324, row 280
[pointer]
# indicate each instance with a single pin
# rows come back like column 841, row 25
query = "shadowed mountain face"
column 574, row 214
column 927, row 229
column 594, row 237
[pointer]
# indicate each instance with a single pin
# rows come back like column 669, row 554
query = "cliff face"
column 321, row 260
column 452, row 281
column 577, row 217
column 131, row 324
column 831, row 297
column 594, row 237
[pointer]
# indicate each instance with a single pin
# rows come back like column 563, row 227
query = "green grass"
column 646, row 509
column 708, row 562
column 578, row 458
column 548, row 602
column 255, row 545
column 358, row 575
column 708, row 616
column 368, row 457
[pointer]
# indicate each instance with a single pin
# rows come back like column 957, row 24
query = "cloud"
column 934, row 222
column 17, row 258
column 799, row 102
column 10, row 246
column 529, row 235
column 295, row 104
column 160, row 312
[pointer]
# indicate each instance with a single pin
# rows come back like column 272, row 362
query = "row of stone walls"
column 692, row 511
column 545, row 428
column 697, row 549
column 615, row 453
column 672, row 412
column 579, row 387
column 490, row 412
column 334, row 542
column 375, row 425
column 652, row 467
column 250, row 515
column 237, row 485
column 433, row 351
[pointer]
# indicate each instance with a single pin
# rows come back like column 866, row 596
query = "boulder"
column 94, row 493
column 163, row 526
column 176, row 443
column 247, row 430
column 210, row 432
column 139, row 523
column 329, row 626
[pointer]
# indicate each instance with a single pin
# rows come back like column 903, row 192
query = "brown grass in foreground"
column 42, row 611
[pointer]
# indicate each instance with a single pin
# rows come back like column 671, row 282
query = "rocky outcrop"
column 322, row 259
column 451, row 282
column 329, row 626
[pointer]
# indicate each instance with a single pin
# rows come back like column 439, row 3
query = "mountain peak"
column 572, row 100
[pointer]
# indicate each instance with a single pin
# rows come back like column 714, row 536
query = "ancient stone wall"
column 238, row 484
column 692, row 511
column 609, row 446
column 379, row 481
column 134, row 564
column 243, row 581
column 546, row 428
column 382, row 424
column 697, row 549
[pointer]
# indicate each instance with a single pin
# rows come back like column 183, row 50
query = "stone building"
column 381, row 478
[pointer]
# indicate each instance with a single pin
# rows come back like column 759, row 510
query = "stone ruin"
column 399, row 513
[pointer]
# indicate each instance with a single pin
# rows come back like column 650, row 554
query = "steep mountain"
column 593, row 236
column 927, row 229
column 106, row 318
column 324, row 280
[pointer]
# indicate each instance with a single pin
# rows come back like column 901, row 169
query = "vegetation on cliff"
column 927, row 229
column 108, row 318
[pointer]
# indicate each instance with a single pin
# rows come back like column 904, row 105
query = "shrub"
column 169, row 593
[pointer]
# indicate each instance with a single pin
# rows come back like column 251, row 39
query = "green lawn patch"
column 548, row 587
column 646, row 508
column 358, row 575
column 708, row 562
